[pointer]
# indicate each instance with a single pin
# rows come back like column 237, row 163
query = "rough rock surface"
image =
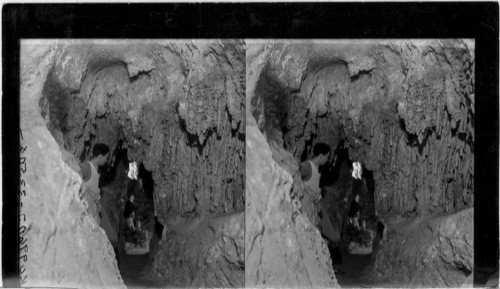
column 434, row 252
column 65, row 246
column 176, row 106
column 282, row 247
column 399, row 105
column 212, row 253
column 404, row 108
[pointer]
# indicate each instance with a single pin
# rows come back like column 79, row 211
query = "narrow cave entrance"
column 137, row 250
column 125, row 178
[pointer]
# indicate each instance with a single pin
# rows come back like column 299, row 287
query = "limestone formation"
column 282, row 247
column 174, row 106
column 403, row 108
column 437, row 252
column 211, row 253
column 410, row 100
column 65, row 245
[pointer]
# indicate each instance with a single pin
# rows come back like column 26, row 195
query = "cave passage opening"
column 402, row 111
column 349, row 196
column 274, row 108
column 343, row 181
column 126, row 177
column 176, row 110
column 60, row 107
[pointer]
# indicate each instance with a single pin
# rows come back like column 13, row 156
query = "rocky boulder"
column 435, row 252
column 202, row 253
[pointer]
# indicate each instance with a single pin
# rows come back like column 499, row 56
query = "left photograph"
column 134, row 163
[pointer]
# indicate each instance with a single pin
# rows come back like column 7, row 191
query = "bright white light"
column 356, row 170
column 132, row 170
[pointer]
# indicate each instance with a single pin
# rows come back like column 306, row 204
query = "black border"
column 265, row 20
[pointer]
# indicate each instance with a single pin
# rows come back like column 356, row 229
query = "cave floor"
column 358, row 273
column 132, row 268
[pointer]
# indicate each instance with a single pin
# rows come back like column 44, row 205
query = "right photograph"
column 359, row 163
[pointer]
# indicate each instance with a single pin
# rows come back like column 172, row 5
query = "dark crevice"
column 361, row 74
column 370, row 182
column 147, row 179
column 120, row 156
column 332, row 173
column 139, row 75
column 307, row 148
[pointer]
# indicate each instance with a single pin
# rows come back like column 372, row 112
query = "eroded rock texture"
column 283, row 248
column 176, row 106
column 212, row 253
column 437, row 252
column 404, row 109
column 66, row 247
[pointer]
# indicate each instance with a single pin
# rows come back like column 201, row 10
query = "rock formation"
column 403, row 108
column 211, row 253
column 283, row 248
column 429, row 252
column 175, row 106
column 66, row 247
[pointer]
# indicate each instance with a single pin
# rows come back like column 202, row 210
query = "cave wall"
column 176, row 105
column 283, row 247
column 436, row 252
column 203, row 253
column 64, row 241
column 405, row 109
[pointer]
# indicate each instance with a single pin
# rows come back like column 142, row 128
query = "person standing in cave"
column 355, row 212
column 133, row 234
column 356, row 230
column 90, row 175
column 309, row 172
column 133, row 188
